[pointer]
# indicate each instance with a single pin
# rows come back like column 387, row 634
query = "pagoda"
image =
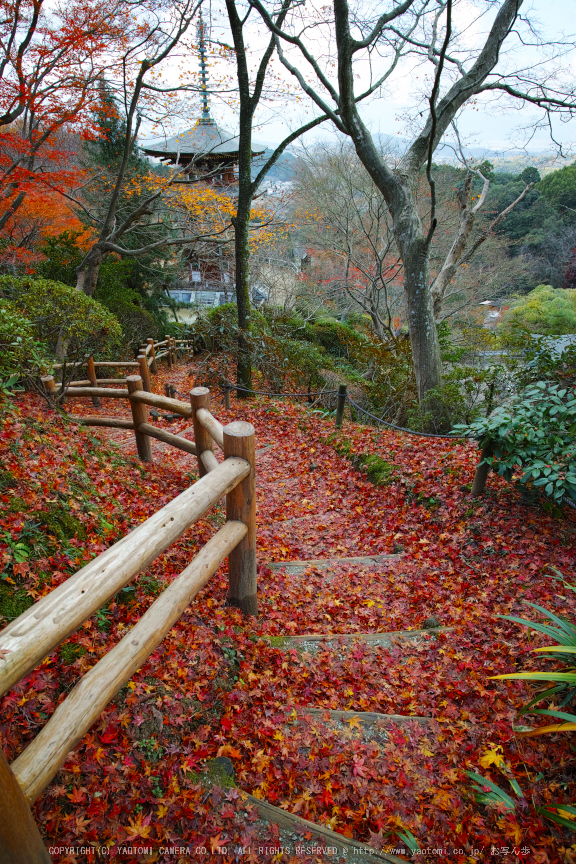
column 205, row 150
column 208, row 153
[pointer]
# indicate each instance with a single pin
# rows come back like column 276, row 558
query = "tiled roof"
column 204, row 139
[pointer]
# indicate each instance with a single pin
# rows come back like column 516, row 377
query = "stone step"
column 334, row 846
column 326, row 563
column 366, row 718
column 328, row 518
column 313, row 641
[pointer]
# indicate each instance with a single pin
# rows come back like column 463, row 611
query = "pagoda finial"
column 205, row 118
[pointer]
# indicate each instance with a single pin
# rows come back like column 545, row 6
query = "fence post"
column 481, row 475
column 340, row 405
column 200, row 398
column 139, row 415
column 168, row 351
column 241, row 506
column 227, row 389
column 174, row 355
column 20, row 840
column 153, row 365
column 144, row 372
column 49, row 385
column 91, row 375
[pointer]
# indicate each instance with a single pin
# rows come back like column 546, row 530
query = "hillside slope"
column 221, row 686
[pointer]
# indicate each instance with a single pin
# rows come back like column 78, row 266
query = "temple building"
column 208, row 152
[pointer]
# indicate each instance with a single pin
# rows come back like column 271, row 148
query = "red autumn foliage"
column 217, row 685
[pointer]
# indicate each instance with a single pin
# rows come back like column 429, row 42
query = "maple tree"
column 50, row 66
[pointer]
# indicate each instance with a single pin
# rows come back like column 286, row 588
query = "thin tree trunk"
column 242, row 253
column 87, row 277
column 421, row 322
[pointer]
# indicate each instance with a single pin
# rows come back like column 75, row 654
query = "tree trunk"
column 87, row 276
column 242, row 247
column 398, row 190
column 242, row 253
column 421, row 322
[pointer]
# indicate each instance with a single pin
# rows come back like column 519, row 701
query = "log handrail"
column 131, row 363
column 120, row 393
column 43, row 757
column 211, row 425
column 101, row 381
column 96, row 420
column 165, row 402
column 166, row 437
column 209, row 460
column 33, row 635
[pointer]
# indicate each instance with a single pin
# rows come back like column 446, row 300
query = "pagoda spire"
column 205, row 118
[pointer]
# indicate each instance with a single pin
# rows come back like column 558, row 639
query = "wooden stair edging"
column 385, row 639
column 370, row 718
column 351, row 850
column 325, row 563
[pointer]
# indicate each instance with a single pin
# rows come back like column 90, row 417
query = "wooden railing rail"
column 102, row 392
column 43, row 757
column 211, row 425
column 155, row 400
column 166, row 437
column 113, row 363
column 33, row 635
column 28, row 639
column 95, row 420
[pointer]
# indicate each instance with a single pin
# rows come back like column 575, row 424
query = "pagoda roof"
column 206, row 140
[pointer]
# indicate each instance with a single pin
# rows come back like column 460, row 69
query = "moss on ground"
column 13, row 601
column 378, row 470
column 7, row 480
column 219, row 772
column 60, row 523
column 70, row 651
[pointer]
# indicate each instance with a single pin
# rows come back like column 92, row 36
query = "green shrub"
column 21, row 352
column 545, row 310
column 536, row 434
column 58, row 311
column 336, row 338
column 277, row 356
column 561, row 694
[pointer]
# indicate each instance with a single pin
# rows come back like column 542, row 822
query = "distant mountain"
column 282, row 170
column 509, row 161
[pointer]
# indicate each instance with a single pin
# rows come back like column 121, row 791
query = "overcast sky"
column 486, row 124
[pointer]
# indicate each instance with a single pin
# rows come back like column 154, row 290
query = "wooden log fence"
column 27, row 640
column 146, row 364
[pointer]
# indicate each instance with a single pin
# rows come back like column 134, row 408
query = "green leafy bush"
column 336, row 338
column 21, row 353
column 281, row 359
column 537, row 434
column 561, row 694
column 59, row 312
column 544, row 361
column 545, row 310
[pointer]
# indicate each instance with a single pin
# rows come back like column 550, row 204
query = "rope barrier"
column 264, row 393
column 399, row 428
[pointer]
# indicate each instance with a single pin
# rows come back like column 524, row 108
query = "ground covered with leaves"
column 221, row 686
